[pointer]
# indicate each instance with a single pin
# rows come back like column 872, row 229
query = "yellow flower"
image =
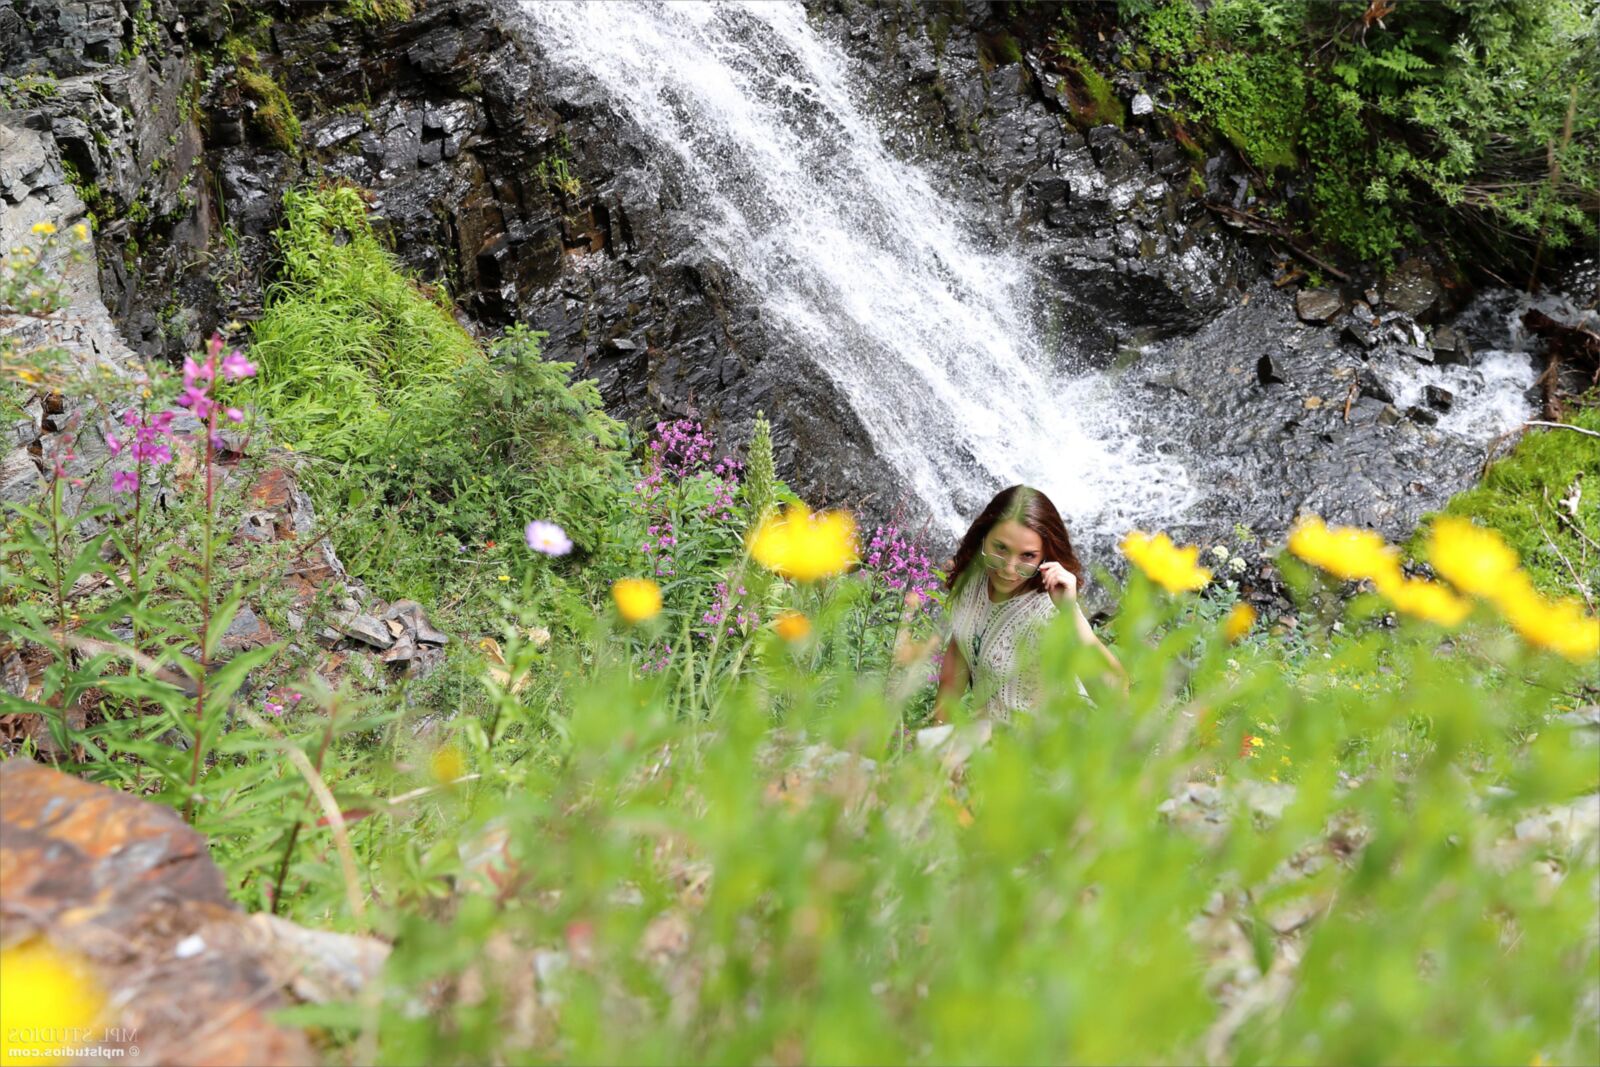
column 803, row 546
column 792, row 626
column 1423, row 600
column 1475, row 560
column 44, row 229
column 1171, row 567
column 503, row 578
column 637, row 599
column 44, row 992
column 1238, row 622
column 1559, row 625
column 81, row 232
column 1345, row 551
column 447, row 764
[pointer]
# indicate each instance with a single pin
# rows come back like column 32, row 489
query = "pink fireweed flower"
column 113, row 445
column 272, row 708
column 234, row 415
column 547, row 537
column 193, row 372
column 196, row 400
column 124, row 481
column 236, row 366
column 154, row 454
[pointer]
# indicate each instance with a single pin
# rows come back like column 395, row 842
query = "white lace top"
column 990, row 635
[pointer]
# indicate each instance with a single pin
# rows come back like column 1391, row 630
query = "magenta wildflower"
column 547, row 537
column 272, row 708
column 234, row 415
column 113, row 444
column 236, row 366
column 124, row 481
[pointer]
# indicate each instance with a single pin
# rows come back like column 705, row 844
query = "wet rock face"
column 535, row 201
column 1319, row 433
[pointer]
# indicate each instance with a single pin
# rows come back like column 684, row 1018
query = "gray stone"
column 363, row 628
column 1413, row 289
column 1451, row 345
column 1438, row 398
column 21, row 481
column 1142, row 104
column 26, row 428
column 1361, row 329
column 1317, row 305
column 1372, row 384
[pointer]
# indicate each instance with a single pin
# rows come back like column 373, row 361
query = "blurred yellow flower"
column 792, row 626
column 1423, row 600
column 1238, row 622
column 502, row 577
column 447, row 764
column 1345, row 551
column 803, row 546
column 1475, row 560
column 80, row 231
column 1558, row 625
column 43, row 992
column 1173, row 568
column 637, row 599
column 44, row 229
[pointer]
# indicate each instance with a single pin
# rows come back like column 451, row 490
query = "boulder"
column 1413, row 289
column 130, row 888
column 1317, row 305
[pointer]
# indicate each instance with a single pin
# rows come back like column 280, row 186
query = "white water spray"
column 863, row 267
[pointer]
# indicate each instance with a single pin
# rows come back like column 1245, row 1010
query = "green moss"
column 1520, row 497
column 1088, row 94
column 274, row 115
column 379, row 10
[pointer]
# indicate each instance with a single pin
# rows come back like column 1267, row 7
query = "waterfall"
column 858, row 263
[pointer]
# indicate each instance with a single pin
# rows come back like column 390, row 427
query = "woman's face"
column 1012, row 555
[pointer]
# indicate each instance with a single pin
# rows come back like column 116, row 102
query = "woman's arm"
column 1062, row 585
column 954, row 677
column 1116, row 675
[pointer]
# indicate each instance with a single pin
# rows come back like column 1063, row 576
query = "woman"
column 1013, row 571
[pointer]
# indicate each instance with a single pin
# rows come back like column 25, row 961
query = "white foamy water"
column 855, row 259
column 1490, row 398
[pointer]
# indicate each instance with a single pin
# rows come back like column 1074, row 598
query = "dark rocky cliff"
column 535, row 201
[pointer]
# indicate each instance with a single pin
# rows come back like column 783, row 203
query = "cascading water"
column 863, row 267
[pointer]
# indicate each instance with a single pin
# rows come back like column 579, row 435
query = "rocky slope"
column 166, row 120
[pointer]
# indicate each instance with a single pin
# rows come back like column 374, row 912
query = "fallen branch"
column 1256, row 224
column 1561, row 426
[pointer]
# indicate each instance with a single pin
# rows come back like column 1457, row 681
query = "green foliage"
column 428, row 443
column 1456, row 118
column 784, row 881
column 760, row 474
column 28, row 89
column 1256, row 102
column 1523, row 495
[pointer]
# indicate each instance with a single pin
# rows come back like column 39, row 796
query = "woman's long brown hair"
column 1032, row 509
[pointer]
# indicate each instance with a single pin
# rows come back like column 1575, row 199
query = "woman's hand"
column 1059, row 582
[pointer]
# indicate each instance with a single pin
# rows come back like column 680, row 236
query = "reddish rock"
column 130, row 887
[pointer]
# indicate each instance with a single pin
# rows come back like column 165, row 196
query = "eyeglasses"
column 997, row 563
